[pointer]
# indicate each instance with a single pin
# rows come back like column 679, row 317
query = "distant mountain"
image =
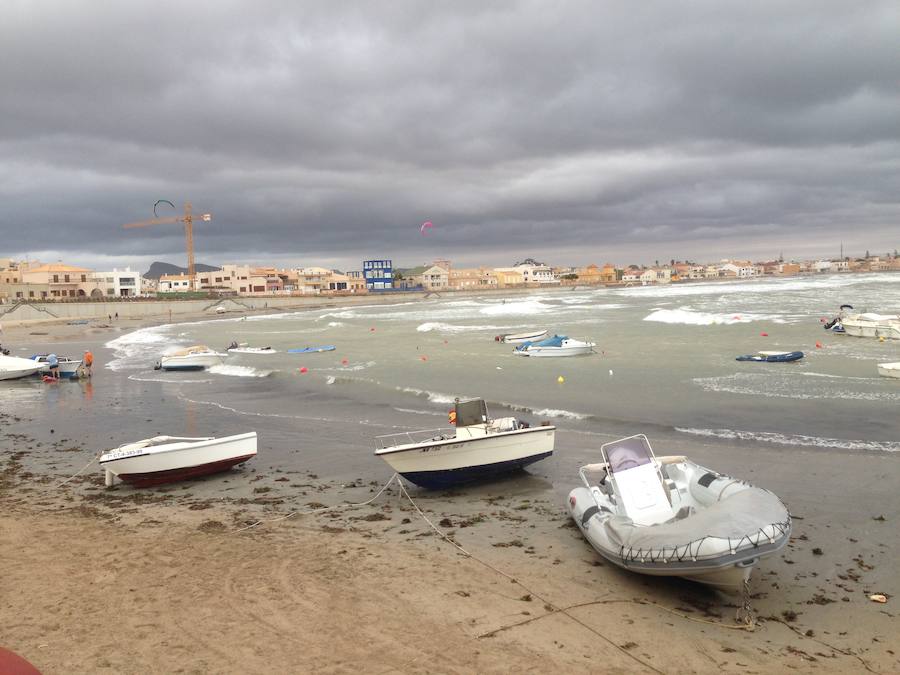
column 157, row 269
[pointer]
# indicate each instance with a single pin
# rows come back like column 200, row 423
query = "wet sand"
column 163, row 580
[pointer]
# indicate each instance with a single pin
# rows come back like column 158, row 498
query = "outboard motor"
column 158, row 365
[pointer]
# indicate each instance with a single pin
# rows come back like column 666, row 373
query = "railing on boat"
column 409, row 437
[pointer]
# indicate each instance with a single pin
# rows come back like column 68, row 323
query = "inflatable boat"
column 667, row 516
column 772, row 357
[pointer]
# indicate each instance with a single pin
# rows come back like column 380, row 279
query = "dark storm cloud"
column 325, row 131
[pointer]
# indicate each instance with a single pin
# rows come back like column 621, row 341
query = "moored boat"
column 478, row 448
column 889, row 369
column 771, row 357
column 164, row 459
column 668, row 516
column 197, row 357
column 872, row 325
column 67, row 367
column 12, row 367
column 558, row 345
column 525, row 336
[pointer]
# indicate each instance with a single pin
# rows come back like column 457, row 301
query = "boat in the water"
column 667, row 516
column 558, row 345
column 252, row 350
column 771, row 357
column 478, row 448
column 12, row 367
column 836, row 325
column 164, row 459
column 889, row 369
column 526, row 336
column 197, row 357
column 869, row 324
column 67, row 367
column 312, row 350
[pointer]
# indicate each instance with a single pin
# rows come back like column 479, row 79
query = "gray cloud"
column 577, row 132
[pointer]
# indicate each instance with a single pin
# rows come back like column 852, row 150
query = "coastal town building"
column 379, row 274
column 115, row 284
column 472, row 278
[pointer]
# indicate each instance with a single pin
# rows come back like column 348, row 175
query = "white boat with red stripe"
column 166, row 459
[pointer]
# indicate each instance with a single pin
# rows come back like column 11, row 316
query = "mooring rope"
column 77, row 473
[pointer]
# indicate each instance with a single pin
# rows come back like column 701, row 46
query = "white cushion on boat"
column 642, row 495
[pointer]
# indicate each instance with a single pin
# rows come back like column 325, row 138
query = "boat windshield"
column 627, row 453
column 471, row 412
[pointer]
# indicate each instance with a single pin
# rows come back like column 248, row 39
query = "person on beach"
column 53, row 362
column 88, row 363
column 117, row 316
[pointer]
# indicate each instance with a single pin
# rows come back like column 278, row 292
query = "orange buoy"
column 423, row 357
column 372, row 330
column 344, row 362
column 304, row 369
column 764, row 334
column 818, row 345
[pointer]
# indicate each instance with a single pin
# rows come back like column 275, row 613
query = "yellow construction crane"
column 188, row 220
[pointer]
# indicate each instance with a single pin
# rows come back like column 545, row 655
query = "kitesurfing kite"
column 426, row 226
column 161, row 201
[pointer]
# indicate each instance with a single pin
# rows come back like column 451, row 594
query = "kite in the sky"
column 161, row 201
column 425, row 226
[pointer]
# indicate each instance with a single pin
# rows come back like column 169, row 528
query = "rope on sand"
column 76, row 474
column 338, row 507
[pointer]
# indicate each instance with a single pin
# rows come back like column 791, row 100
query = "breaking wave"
column 796, row 440
column 239, row 371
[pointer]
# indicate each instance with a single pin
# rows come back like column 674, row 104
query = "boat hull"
column 516, row 338
column 444, row 463
column 858, row 327
column 67, row 369
column 149, row 466
column 13, row 368
column 772, row 358
column 192, row 362
column 581, row 350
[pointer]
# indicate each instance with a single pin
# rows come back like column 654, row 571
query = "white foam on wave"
column 750, row 385
column 790, row 439
column 336, row 324
column 420, row 412
column 567, row 414
column 137, row 350
column 433, row 396
column 691, row 317
column 239, row 371
column 167, row 380
column 441, row 327
column 528, row 307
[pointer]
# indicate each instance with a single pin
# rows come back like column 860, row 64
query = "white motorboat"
column 197, row 357
column 164, row 459
column 12, row 367
column 479, row 447
column 527, row 336
column 252, row 350
column 872, row 325
column 889, row 369
column 558, row 345
column 667, row 516
column 67, row 367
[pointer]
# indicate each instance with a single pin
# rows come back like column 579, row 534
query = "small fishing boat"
column 667, row 516
column 311, row 350
column 252, row 350
column 889, row 369
column 197, row 357
column 67, row 367
column 12, row 367
column 558, row 345
column 836, row 325
column 527, row 336
column 164, row 459
column 771, row 357
column 478, row 448
column 872, row 325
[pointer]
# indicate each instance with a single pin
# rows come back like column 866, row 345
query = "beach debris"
column 499, row 368
column 878, row 597
column 427, row 225
column 304, row 369
column 879, row 518
column 610, row 372
column 881, row 339
column 817, row 551
column 560, row 379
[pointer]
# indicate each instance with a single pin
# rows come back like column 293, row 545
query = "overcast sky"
column 322, row 133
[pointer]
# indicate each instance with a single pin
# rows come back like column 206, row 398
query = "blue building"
column 379, row 274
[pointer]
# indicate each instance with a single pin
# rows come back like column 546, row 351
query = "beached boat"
column 526, row 336
column 771, row 357
column 558, row 345
column 164, row 459
column 889, row 369
column 872, row 325
column 478, row 448
column 197, row 357
column 667, row 516
column 67, row 367
column 12, row 367
column 252, row 350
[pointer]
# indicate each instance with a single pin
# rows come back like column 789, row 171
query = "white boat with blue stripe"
column 479, row 448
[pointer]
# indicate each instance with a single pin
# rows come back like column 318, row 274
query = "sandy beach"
column 170, row 579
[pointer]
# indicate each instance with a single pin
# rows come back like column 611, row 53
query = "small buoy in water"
column 560, row 379
column 372, row 330
column 818, row 345
column 764, row 334
column 610, row 372
column 737, row 317
column 423, row 357
column 304, row 369
column 881, row 339
column 445, row 342
column 344, row 362
column 499, row 368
